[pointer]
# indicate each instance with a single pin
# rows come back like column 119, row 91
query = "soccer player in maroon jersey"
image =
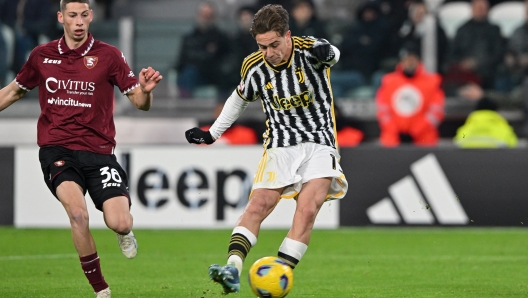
column 76, row 75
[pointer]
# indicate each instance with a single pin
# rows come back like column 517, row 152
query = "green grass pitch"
column 357, row 262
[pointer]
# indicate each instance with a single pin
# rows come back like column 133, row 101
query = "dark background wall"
column 6, row 185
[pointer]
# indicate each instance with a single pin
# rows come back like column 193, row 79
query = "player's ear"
column 60, row 17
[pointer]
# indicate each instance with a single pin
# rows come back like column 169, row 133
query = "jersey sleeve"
column 247, row 89
column 120, row 73
column 28, row 77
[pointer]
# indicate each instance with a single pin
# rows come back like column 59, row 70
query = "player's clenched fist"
column 198, row 136
column 322, row 50
column 149, row 78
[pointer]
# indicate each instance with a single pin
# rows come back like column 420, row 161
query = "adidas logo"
column 408, row 203
column 268, row 86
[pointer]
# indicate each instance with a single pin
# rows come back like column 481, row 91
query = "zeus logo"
column 51, row 61
column 52, row 85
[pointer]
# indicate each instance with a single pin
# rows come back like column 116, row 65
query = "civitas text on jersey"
column 53, row 85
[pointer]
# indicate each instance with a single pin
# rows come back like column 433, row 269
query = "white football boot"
column 104, row 293
column 128, row 244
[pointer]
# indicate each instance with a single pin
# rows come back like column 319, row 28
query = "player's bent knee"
column 122, row 229
column 259, row 207
column 308, row 214
column 121, row 225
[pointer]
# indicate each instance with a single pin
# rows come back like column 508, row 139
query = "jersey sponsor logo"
column 300, row 100
column 59, row 163
column 68, row 102
column 268, row 86
column 51, row 61
column 71, row 87
column 429, row 180
column 90, row 61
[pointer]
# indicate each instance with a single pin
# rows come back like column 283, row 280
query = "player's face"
column 76, row 19
column 276, row 48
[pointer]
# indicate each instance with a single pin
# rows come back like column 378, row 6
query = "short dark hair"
column 64, row 2
column 270, row 18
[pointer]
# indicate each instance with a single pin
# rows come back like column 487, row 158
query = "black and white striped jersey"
column 296, row 96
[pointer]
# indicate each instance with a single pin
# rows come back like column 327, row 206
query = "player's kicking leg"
column 118, row 218
column 309, row 202
column 244, row 236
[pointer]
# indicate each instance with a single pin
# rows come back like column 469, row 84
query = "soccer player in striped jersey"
column 291, row 77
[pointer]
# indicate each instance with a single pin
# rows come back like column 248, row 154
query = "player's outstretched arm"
column 198, row 136
column 233, row 108
column 142, row 97
column 9, row 94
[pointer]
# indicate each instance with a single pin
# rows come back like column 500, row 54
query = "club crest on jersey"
column 59, row 163
column 90, row 61
column 300, row 74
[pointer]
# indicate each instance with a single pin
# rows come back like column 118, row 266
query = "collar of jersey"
column 284, row 64
column 82, row 50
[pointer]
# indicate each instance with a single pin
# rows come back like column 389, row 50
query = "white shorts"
column 295, row 165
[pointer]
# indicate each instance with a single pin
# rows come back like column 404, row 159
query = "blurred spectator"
column 361, row 50
column 477, row 50
column 410, row 102
column 395, row 12
column 202, row 53
column 515, row 67
column 102, row 9
column 287, row 4
column 3, row 59
column 413, row 30
column 484, row 127
column 29, row 19
column 304, row 22
column 242, row 44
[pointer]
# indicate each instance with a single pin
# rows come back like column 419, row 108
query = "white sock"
column 293, row 248
column 237, row 260
column 247, row 233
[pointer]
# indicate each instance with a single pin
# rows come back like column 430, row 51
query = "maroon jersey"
column 76, row 93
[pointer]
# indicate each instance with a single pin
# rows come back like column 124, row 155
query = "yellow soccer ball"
column 270, row 277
